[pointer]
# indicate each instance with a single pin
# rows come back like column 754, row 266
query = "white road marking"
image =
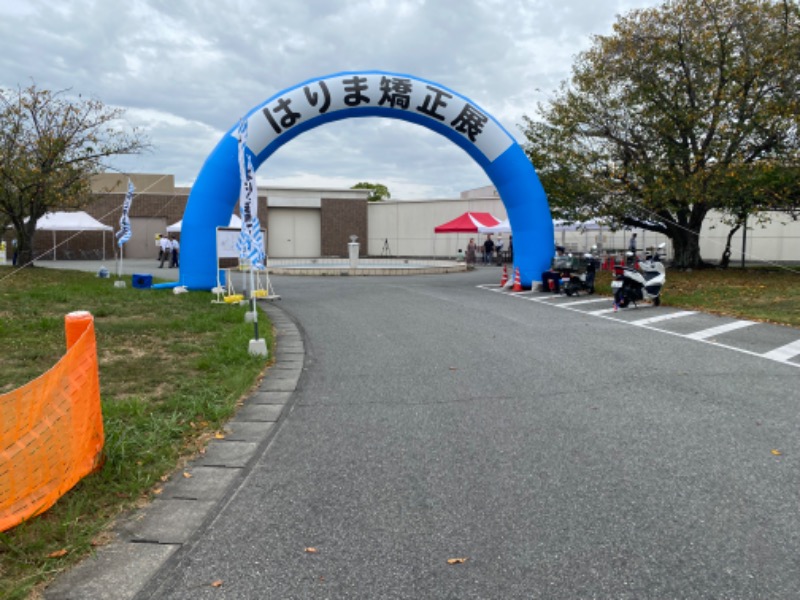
column 577, row 302
column 659, row 318
column 781, row 354
column 707, row 333
column 601, row 312
column 784, row 353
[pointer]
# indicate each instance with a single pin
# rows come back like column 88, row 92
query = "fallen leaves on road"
column 217, row 583
column 456, row 561
column 58, row 553
column 311, row 550
column 777, row 452
column 187, row 475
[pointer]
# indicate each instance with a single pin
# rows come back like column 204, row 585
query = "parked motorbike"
column 645, row 283
column 581, row 280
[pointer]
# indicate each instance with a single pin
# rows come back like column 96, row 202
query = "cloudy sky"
column 185, row 71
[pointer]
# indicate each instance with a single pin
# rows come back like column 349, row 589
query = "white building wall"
column 408, row 226
column 777, row 241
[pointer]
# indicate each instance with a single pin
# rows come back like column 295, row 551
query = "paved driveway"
column 560, row 453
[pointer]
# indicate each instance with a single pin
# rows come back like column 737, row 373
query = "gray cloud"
column 186, row 70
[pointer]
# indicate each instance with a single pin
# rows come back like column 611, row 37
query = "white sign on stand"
column 226, row 248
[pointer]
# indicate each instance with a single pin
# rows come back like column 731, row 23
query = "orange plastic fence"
column 51, row 429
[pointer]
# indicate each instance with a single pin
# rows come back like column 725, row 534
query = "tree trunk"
column 725, row 261
column 25, row 244
column 686, row 247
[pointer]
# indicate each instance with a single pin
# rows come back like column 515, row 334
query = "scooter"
column 644, row 283
column 583, row 281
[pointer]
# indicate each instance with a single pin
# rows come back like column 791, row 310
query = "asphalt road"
column 560, row 454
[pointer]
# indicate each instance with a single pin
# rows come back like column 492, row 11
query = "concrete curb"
column 149, row 537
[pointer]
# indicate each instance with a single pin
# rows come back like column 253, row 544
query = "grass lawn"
column 770, row 295
column 172, row 370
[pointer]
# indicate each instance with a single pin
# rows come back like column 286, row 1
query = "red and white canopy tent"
column 469, row 222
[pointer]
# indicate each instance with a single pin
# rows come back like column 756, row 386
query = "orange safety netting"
column 51, row 429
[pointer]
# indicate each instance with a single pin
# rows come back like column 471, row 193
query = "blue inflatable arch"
column 367, row 94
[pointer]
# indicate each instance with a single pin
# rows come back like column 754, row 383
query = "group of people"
column 168, row 251
column 551, row 279
column 490, row 249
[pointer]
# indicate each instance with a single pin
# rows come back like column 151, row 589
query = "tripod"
column 385, row 251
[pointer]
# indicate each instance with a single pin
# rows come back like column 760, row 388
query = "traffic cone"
column 517, row 283
column 504, row 278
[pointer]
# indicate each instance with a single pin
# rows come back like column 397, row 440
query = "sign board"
column 226, row 242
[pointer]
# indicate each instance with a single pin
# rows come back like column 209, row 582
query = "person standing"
column 498, row 247
column 175, row 249
column 166, row 249
column 631, row 258
column 488, row 249
column 472, row 251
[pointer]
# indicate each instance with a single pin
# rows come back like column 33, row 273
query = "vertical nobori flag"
column 251, row 241
column 124, row 233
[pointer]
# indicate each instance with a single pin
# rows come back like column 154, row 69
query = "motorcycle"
column 644, row 283
column 573, row 283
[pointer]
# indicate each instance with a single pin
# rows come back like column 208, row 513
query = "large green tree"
column 685, row 108
column 50, row 146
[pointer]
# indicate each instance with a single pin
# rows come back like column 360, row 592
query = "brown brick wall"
column 339, row 220
column 107, row 209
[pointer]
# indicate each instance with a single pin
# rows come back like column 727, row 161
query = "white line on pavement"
column 577, row 302
column 781, row 354
column 600, row 312
column 707, row 333
column 675, row 315
column 784, row 352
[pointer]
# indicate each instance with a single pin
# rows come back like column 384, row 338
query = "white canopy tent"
column 505, row 227
column 587, row 226
column 563, row 227
column 71, row 221
column 235, row 222
column 501, row 227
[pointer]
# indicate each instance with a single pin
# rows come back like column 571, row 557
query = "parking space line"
column 577, row 302
column 707, row 333
column 784, row 353
column 605, row 311
column 659, row 318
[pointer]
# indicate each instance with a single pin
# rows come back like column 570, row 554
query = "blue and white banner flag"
column 125, row 233
column 251, row 241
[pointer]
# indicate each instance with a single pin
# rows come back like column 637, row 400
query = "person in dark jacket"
column 488, row 249
column 554, row 274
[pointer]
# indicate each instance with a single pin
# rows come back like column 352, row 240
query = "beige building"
column 315, row 222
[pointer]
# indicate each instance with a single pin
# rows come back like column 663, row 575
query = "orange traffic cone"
column 517, row 283
column 504, row 278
